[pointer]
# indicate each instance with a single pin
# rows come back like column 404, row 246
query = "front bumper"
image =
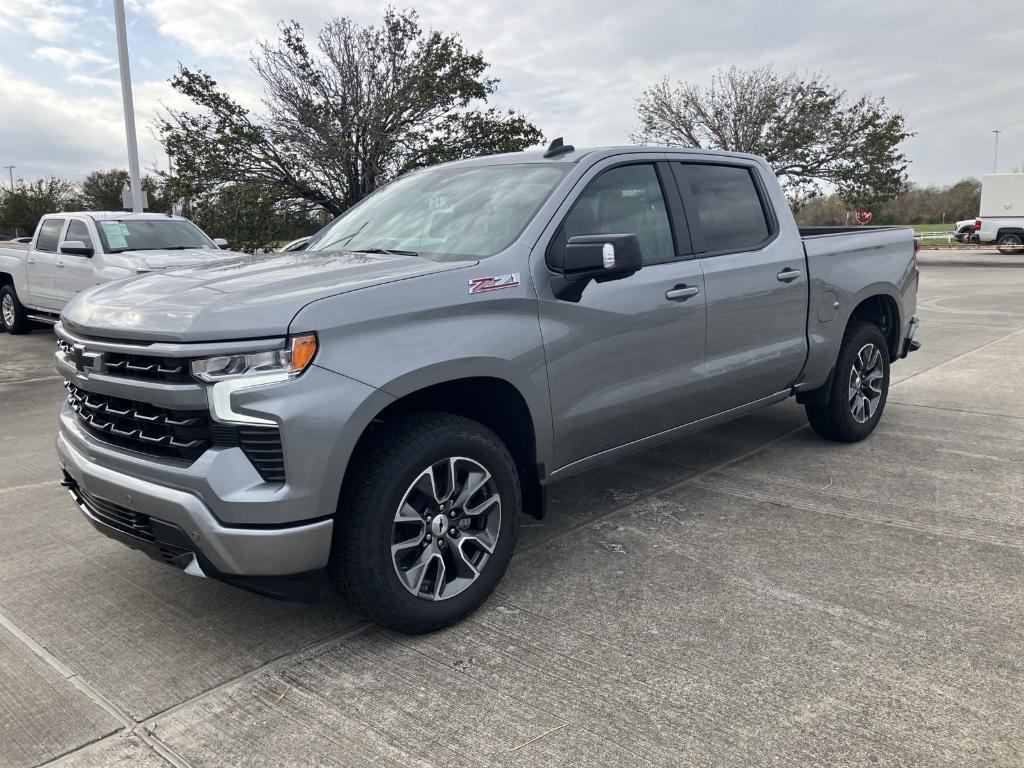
column 182, row 528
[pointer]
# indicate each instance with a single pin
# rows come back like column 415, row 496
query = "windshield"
column 475, row 211
column 151, row 235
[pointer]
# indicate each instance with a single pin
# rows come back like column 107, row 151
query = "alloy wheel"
column 446, row 528
column 7, row 310
column 866, row 376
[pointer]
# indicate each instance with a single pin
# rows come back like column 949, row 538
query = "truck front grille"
column 182, row 435
column 131, row 366
column 142, row 427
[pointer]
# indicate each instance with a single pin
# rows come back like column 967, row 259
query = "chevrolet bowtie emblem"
column 84, row 361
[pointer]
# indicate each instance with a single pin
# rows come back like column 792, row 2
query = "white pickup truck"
column 1002, row 212
column 74, row 251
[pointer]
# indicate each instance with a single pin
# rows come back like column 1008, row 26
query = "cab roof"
column 576, row 155
column 115, row 215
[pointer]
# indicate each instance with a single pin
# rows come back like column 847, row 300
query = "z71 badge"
column 496, row 283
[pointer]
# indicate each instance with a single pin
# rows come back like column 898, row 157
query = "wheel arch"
column 882, row 310
column 1009, row 231
column 494, row 401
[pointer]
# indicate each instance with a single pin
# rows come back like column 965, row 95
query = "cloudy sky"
column 574, row 67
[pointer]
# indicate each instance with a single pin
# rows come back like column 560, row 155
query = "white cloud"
column 50, row 21
column 90, row 80
column 56, row 132
column 574, row 67
column 73, row 58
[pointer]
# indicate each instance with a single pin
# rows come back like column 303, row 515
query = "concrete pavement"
column 752, row 595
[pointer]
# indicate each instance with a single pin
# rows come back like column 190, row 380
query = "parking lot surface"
column 749, row 596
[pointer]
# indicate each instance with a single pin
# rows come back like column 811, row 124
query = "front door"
column 755, row 284
column 627, row 360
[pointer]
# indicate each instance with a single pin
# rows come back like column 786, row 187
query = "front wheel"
column 13, row 316
column 1010, row 244
column 426, row 523
column 860, row 387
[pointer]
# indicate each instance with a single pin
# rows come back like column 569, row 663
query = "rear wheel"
column 426, row 523
column 859, row 389
column 13, row 316
column 1010, row 244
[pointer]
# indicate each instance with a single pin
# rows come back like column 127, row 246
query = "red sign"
column 863, row 217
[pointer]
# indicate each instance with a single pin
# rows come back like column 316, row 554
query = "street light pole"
column 10, row 173
column 995, row 160
column 129, row 106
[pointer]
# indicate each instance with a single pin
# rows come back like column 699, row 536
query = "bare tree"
column 811, row 132
column 362, row 106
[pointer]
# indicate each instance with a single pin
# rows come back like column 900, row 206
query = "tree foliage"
column 913, row 205
column 101, row 191
column 22, row 207
column 813, row 134
column 342, row 116
column 251, row 219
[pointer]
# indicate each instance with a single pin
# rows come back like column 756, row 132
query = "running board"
column 49, row 319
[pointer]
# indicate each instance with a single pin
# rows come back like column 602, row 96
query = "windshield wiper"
column 387, row 251
column 163, row 248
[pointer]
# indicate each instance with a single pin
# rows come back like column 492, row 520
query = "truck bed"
column 844, row 265
column 806, row 232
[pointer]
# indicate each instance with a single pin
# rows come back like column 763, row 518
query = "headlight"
column 230, row 373
column 285, row 363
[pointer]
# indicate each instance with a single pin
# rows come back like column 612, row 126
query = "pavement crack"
column 539, row 737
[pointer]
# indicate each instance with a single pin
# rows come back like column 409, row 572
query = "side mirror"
column 75, row 247
column 220, row 242
column 592, row 257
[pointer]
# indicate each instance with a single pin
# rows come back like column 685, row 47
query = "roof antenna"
column 558, row 148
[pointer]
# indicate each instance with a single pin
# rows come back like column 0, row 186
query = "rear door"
column 626, row 360
column 755, row 283
column 74, row 273
column 42, row 264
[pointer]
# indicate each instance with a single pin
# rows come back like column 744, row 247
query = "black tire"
column 1010, row 244
column 841, row 417
column 380, row 481
column 17, row 322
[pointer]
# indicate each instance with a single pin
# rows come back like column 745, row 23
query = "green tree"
column 250, row 218
column 101, row 191
column 343, row 116
column 812, row 133
column 22, row 207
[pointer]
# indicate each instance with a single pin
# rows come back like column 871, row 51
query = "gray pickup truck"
column 381, row 407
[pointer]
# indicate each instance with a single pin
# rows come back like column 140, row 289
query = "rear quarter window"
column 49, row 235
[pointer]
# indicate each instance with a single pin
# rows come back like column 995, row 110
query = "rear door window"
column 727, row 204
column 49, row 235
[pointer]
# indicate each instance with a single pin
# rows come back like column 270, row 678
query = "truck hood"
column 152, row 260
column 249, row 296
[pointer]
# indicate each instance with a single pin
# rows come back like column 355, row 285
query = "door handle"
column 31, row 261
column 60, row 265
column 682, row 293
column 788, row 275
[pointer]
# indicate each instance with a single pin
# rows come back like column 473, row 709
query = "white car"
column 74, row 251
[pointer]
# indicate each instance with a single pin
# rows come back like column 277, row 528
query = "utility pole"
column 995, row 160
column 129, row 107
column 10, row 173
